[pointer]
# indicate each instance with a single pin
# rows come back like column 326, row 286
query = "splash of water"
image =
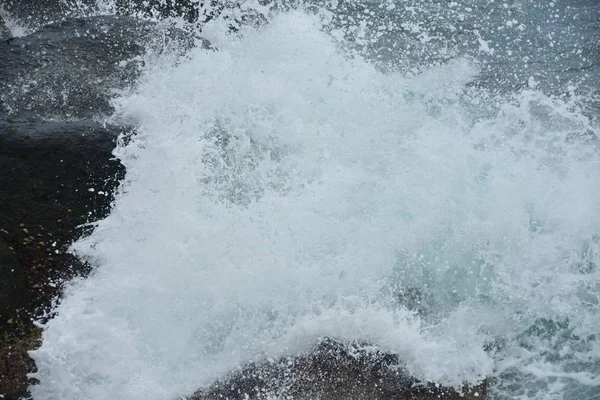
column 15, row 27
column 282, row 188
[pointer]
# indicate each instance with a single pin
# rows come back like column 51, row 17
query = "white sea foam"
column 279, row 190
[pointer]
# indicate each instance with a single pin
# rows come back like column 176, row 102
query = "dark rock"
column 15, row 363
column 13, row 282
column 332, row 371
column 54, row 178
column 42, row 12
column 70, row 69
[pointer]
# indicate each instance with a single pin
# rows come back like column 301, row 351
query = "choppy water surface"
column 424, row 176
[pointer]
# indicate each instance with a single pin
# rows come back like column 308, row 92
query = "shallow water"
column 384, row 172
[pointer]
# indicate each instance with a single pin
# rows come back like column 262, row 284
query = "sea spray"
column 281, row 189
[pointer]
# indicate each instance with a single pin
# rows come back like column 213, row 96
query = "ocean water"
column 423, row 176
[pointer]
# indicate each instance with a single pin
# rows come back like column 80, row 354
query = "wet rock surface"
column 54, row 178
column 35, row 13
column 70, row 69
column 332, row 371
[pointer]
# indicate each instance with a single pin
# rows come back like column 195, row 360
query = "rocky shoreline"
column 56, row 175
column 55, row 178
column 57, row 172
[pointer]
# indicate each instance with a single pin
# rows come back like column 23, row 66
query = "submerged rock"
column 71, row 68
column 332, row 371
column 54, row 178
